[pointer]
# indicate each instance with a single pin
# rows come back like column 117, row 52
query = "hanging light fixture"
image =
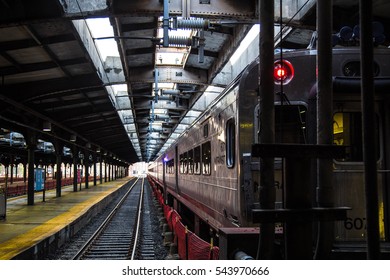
column 46, row 126
column 73, row 138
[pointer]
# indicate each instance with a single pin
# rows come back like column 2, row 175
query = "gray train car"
column 209, row 170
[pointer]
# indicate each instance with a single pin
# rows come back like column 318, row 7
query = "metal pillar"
column 3, row 196
column 101, row 170
column 325, row 191
column 94, row 170
column 369, row 143
column 59, row 147
column 75, row 157
column 267, row 123
column 12, row 170
column 108, row 172
column 31, row 145
column 24, row 172
column 86, row 166
column 105, row 171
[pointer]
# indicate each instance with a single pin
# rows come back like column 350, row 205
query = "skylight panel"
column 101, row 28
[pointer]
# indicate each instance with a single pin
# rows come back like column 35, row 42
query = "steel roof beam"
column 28, row 43
column 169, row 75
column 216, row 9
column 24, row 68
column 31, row 89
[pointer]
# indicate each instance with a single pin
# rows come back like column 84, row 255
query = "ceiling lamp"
column 46, row 126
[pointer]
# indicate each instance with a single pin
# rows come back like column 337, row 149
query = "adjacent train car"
column 209, row 170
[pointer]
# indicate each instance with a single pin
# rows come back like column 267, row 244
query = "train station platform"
column 32, row 231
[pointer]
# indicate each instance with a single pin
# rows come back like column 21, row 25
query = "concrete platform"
column 32, row 231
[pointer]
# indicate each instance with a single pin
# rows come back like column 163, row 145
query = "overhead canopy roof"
column 51, row 70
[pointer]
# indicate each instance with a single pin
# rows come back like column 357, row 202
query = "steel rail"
column 137, row 228
column 87, row 245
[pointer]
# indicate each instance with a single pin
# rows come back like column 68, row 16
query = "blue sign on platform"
column 39, row 180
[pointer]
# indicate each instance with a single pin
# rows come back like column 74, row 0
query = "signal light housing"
column 283, row 72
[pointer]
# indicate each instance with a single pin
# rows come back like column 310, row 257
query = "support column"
column 112, row 167
column 94, row 169
column 12, row 169
column 24, row 172
column 31, row 141
column 75, row 159
column 369, row 131
column 58, row 147
column 86, row 165
column 109, row 172
column 16, row 170
column 325, row 191
column 267, row 123
column 3, row 196
column 101, row 169
column 105, row 171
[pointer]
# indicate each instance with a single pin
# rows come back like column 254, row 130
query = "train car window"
column 206, row 130
column 352, row 69
column 170, row 166
column 183, row 163
column 347, row 131
column 230, row 143
column 290, row 124
column 197, row 163
column 206, row 158
column 190, row 161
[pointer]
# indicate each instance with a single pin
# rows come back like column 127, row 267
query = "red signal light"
column 280, row 73
column 283, row 72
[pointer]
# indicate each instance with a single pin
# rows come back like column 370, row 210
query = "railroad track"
column 123, row 234
column 145, row 247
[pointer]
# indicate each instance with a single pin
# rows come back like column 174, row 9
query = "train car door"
column 386, row 167
column 164, row 170
column 348, row 174
column 176, row 170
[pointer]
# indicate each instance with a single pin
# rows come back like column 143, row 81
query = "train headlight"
column 283, row 72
